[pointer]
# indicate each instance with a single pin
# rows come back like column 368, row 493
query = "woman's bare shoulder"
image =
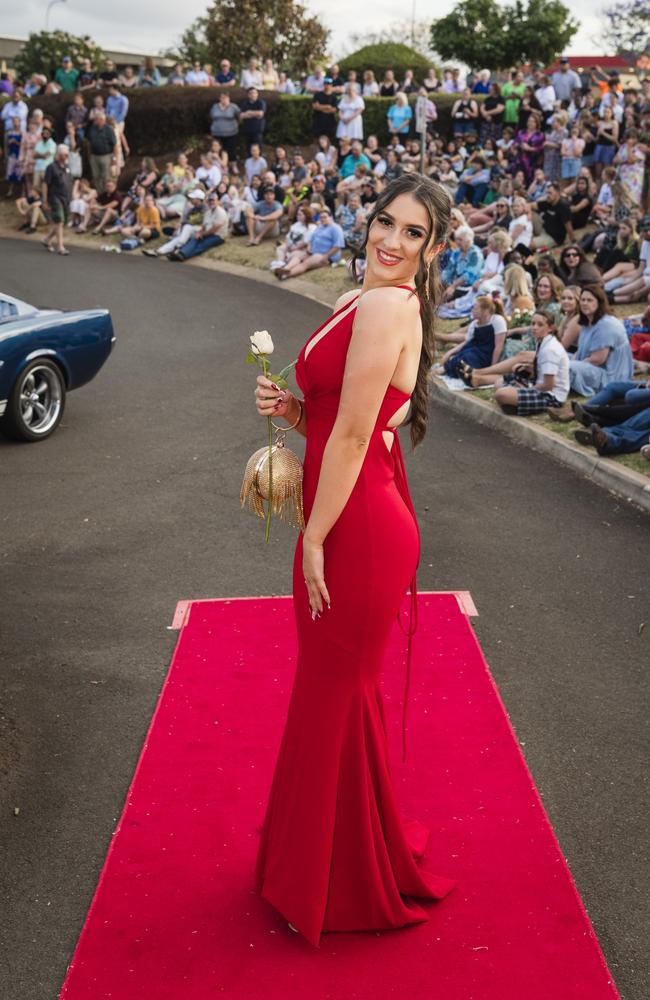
column 345, row 298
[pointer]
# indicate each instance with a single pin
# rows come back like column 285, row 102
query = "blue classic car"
column 43, row 354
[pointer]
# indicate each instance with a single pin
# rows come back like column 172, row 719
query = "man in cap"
column 325, row 111
column 188, row 226
column 212, row 232
column 564, row 80
column 252, row 117
column 66, row 75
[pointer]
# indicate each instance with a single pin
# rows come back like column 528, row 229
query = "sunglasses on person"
column 571, row 253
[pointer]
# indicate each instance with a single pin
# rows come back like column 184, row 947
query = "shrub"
column 383, row 56
column 162, row 119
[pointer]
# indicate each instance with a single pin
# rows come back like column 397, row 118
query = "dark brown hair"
column 603, row 309
column 438, row 205
column 547, row 314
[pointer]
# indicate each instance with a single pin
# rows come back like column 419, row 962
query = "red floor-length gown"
column 335, row 852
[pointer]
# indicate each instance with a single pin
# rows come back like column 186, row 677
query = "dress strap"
column 402, row 485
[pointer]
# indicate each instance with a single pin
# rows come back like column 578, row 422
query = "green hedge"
column 163, row 119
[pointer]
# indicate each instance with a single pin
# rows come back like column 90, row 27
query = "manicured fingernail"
column 329, row 605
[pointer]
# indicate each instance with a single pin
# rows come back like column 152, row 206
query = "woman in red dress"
column 335, row 852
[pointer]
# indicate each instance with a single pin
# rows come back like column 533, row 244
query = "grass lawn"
column 334, row 279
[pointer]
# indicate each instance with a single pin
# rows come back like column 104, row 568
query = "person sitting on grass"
column 264, row 219
column 465, row 265
column 106, row 207
column 212, row 232
column 627, row 281
column 612, row 405
column 147, row 225
column 297, row 238
column 189, row 224
column 625, row 438
column 484, row 338
column 543, row 384
column 324, row 248
column 568, row 329
column 604, row 353
column 83, row 197
column 30, row 209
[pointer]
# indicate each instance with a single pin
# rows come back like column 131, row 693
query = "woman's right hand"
column 270, row 400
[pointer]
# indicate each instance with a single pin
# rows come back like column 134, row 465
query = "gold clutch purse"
column 282, row 482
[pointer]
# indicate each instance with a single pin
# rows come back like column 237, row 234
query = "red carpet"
column 174, row 916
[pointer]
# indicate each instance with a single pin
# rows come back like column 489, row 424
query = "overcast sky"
column 152, row 25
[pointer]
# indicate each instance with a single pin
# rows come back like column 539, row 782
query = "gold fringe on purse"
column 286, row 483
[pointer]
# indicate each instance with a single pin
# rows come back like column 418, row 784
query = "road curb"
column 297, row 286
column 627, row 483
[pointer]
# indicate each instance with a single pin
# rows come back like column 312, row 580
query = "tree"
column 497, row 36
column 627, row 27
column 44, row 50
column 193, row 44
column 237, row 30
column 383, row 56
column 415, row 34
column 473, row 33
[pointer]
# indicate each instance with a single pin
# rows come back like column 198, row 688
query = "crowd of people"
column 547, row 172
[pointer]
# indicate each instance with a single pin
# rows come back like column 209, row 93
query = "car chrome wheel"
column 36, row 403
column 41, row 397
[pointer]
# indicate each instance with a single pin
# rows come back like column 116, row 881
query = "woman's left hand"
column 313, row 571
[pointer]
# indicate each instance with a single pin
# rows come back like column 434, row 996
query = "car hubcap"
column 40, row 399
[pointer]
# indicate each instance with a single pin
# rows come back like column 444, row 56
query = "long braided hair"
column 438, row 204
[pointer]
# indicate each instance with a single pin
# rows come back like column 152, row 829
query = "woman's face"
column 518, row 206
column 588, row 304
column 479, row 313
column 544, row 290
column 502, row 207
column 464, row 241
column 531, row 124
column 568, row 303
column 581, row 186
column 539, row 327
column 396, row 238
column 625, row 230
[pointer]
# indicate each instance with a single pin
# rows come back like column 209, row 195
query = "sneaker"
column 150, row 253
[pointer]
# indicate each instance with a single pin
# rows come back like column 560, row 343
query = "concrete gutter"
column 297, row 286
column 628, row 483
column 617, row 478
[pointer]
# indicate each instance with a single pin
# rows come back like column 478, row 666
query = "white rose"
column 262, row 342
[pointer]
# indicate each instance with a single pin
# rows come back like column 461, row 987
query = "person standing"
column 565, row 80
column 512, row 93
column 317, row 859
column 103, row 150
column 252, row 116
column 57, row 192
column 351, row 108
column 325, row 111
column 224, row 123
column 67, row 76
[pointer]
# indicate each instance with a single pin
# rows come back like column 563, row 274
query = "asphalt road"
column 133, row 505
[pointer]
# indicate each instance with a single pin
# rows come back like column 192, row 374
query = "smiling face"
column 544, row 290
column 568, row 303
column 395, row 240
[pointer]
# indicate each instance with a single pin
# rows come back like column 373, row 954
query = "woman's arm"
column 499, row 341
column 371, row 360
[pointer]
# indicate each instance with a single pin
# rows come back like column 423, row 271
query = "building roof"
column 605, row 62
